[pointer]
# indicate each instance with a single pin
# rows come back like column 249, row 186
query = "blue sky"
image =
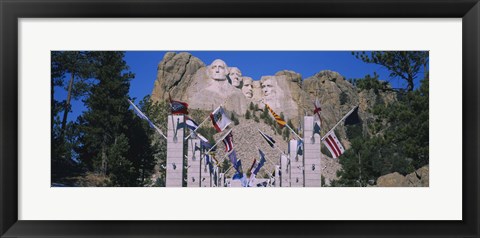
column 252, row 63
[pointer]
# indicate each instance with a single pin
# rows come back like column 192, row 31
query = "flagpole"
column 294, row 132
column 154, row 126
column 338, row 123
column 274, row 145
column 199, row 125
column 226, row 134
column 191, row 133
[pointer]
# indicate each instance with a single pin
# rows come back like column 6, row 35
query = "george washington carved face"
column 218, row 70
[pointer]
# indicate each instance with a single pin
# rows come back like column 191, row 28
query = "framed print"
column 124, row 118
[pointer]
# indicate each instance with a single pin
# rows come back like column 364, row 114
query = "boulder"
column 392, row 180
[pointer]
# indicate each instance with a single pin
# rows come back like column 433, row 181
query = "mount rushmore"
column 205, row 87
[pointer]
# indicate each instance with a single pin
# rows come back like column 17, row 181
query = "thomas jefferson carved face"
column 268, row 87
column 218, row 70
column 235, row 75
column 247, row 88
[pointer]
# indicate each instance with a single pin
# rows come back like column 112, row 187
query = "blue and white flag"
column 267, row 138
column 191, row 124
column 141, row 115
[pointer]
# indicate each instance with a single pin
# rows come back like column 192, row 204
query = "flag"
column 244, row 180
column 190, row 123
column 278, row 119
column 251, row 181
column 228, row 141
column 193, row 126
column 299, row 147
column 353, row 117
column 260, row 164
column 209, row 163
column 316, row 119
column 204, row 145
column 333, row 145
column 238, row 175
column 316, row 128
column 202, row 139
column 238, row 166
column 220, row 120
column 177, row 107
column 269, row 139
column 215, row 176
column 197, row 147
column 316, row 112
column 233, row 157
column 144, row 117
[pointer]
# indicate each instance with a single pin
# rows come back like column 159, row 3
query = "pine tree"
column 76, row 66
column 247, row 115
column 114, row 141
column 252, row 107
column 403, row 64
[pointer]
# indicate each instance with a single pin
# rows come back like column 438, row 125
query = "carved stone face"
column 235, row 75
column 218, row 70
column 247, row 88
column 268, row 88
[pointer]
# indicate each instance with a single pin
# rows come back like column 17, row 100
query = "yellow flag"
column 279, row 120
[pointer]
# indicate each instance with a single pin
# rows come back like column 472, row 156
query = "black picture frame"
column 11, row 11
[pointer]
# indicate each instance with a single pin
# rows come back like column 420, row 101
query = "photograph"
column 182, row 118
column 251, row 119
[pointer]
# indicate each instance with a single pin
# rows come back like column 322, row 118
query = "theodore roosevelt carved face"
column 218, row 70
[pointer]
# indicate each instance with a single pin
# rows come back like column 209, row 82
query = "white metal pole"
column 338, row 123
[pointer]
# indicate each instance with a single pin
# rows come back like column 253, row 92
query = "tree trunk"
column 67, row 104
column 410, row 84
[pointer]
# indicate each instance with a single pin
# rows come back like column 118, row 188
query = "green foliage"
column 400, row 141
column 225, row 165
column 369, row 82
column 401, row 64
column 234, row 119
column 248, row 115
column 252, row 107
column 113, row 141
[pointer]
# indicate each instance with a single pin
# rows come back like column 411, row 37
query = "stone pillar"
column 277, row 176
column 296, row 166
column 285, row 171
column 174, row 177
column 221, row 176
column 193, row 163
column 205, row 178
column 311, row 153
